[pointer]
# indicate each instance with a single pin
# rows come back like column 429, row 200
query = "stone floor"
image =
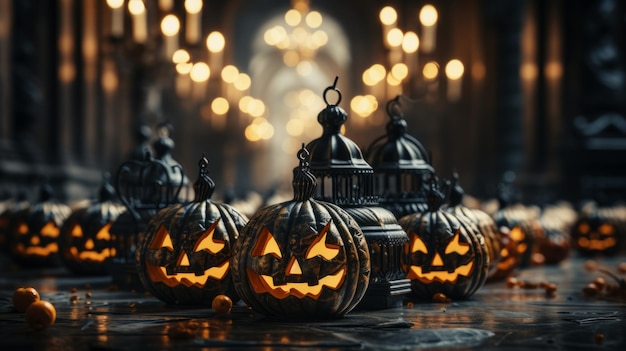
column 495, row 318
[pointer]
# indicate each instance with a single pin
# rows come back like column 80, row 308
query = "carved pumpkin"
column 9, row 208
column 184, row 252
column 35, row 231
column 485, row 224
column 599, row 231
column 445, row 254
column 86, row 242
column 302, row 258
column 524, row 229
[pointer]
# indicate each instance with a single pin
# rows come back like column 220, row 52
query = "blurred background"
column 532, row 92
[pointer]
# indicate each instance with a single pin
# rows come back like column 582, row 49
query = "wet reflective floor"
column 93, row 315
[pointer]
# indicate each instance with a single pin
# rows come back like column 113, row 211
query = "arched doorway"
column 290, row 80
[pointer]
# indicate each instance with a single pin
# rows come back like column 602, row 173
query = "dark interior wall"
column 561, row 141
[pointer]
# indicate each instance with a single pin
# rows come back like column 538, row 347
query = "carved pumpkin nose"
column 293, row 268
column 35, row 241
column 89, row 245
column 437, row 261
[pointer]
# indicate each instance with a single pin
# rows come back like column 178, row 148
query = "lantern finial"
column 204, row 185
column 435, row 197
column 304, row 182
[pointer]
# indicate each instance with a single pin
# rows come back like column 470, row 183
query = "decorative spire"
column 434, row 197
column 333, row 116
column 455, row 197
column 107, row 191
column 204, row 185
column 304, row 182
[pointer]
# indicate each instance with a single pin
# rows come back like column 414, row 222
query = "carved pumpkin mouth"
column 441, row 276
column 91, row 255
column 158, row 274
column 596, row 244
column 265, row 284
column 39, row 250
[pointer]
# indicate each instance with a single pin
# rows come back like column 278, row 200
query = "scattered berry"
column 222, row 304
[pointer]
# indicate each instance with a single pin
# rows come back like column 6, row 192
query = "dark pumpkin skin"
column 436, row 229
column 486, row 226
column 302, row 259
column 295, row 225
column 186, row 224
column 91, row 220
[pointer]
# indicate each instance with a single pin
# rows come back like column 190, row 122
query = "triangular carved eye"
column 50, row 229
column 266, row 245
column 162, row 240
column 417, row 245
column 456, row 246
column 207, row 242
column 319, row 247
column 77, row 231
column 103, row 233
column 583, row 228
column 606, row 229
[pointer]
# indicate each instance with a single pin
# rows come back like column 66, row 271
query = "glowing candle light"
column 215, row 42
column 454, row 73
column 200, row 74
column 428, row 18
column 170, row 26
column 117, row 17
column 140, row 20
column 166, row 5
column 193, row 22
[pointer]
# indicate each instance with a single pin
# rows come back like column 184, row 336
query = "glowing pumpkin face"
column 191, row 263
column 594, row 235
column 38, row 242
column 303, row 267
column 184, row 253
column 303, row 258
column 457, row 263
column 445, row 254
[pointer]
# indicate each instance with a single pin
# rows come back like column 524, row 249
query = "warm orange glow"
column 606, row 229
column 159, row 275
column 207, row 242
column 599, row 245
column 417, row 244
column 456, row 246
column 103, row 233
column 583, row 228
column 162, row 239
column 517, row 234
column 77, row 231
column 319, row 247
column 440, row 276
column 22, row 228
column 265, row 284
column 50, row 230
column 266, row 245
column 293, row 267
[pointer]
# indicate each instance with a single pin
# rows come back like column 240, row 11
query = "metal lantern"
column 400, row 163
column 144, row 187
column 346, row 179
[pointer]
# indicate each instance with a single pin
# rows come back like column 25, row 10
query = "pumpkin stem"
column 304, row 182
column 204, row 185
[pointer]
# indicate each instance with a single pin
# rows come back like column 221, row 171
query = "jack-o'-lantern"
column 596, row 233
column 301, row 259
column 86, row 242
column 445, row 254
column 9, row 208
column 485, row 224
column 35, row 231
column 184, row 252
column 524, row 230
